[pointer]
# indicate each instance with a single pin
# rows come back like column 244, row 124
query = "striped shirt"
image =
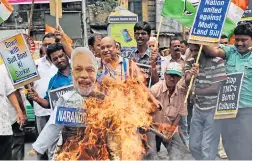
column 210, row 70
column 146, row 60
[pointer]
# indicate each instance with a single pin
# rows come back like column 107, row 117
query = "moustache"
column 177, row 49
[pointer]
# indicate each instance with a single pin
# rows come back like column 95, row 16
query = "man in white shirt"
column 46, row 71
column 18, row 137
column 7, row 91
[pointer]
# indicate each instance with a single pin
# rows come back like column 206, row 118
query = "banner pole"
column 29, row 31
column 57, row 13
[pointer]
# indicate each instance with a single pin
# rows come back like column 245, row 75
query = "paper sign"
column 18, row 60
column 146, row 71
column 209, row 21
column 55, row 94
column 53, row 11
column 229, row 96
column 69, row 116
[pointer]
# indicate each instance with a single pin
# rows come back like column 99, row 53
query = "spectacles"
column 140, row 33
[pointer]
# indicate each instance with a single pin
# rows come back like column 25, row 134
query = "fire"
column 113, row 123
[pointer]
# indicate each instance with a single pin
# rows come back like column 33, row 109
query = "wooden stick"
column 30, row 19
column 29, row 31
column 162, row 136
column 56, row 13
column 159, row 28
column 183, row 34
column 192, row 78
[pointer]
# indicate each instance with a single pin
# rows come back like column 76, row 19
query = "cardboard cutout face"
column 84, row 73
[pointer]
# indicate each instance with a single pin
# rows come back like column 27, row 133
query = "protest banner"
column 146, row 71
column 55, row 94
column 18, row 60
column 208, row 23
column 70, row 116
column 56, row 10
column 229, row 96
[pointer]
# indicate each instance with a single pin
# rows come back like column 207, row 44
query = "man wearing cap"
column 171, row 94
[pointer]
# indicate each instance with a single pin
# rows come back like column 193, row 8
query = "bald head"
column 108, row 48
column 108, row 39
column 151, row 43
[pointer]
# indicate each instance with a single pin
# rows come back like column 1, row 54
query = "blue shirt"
column 58, row 80
column 236, row 62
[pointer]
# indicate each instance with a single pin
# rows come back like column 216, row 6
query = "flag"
column 184, row 12
column 50, row 29
column 5, row 10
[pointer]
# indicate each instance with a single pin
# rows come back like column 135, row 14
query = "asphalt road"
column 163, row 155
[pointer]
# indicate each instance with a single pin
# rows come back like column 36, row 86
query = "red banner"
column 36, row 1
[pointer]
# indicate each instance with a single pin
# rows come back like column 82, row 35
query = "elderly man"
column 84, row 69
column 113, row 65
column 238, row 58
column 171, row 94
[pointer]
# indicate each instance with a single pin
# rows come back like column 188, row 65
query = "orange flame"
column 112, row 129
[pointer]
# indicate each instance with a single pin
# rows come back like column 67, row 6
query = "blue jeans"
column 237, row 135
column 204, row 135
column 183, row 130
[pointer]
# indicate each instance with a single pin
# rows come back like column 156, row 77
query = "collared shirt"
column 167, row 60
column 120, row 73
column 146, row 60
column 6, row 88
column 58, row 80
column 235, row 62
column 210, row 70
column 173, row 103
column 12, row 111
column 46, row 71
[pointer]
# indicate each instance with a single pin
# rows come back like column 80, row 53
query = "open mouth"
column 84, row 84
column 140, row 41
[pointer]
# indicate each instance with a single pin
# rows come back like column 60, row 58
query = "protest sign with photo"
column 229, row 96
column 208, row 22
column 18, row 60
column 55, row 94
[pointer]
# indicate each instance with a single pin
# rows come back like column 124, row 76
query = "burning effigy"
column 113, row 123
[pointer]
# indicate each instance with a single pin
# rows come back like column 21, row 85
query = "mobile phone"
column 126, row 35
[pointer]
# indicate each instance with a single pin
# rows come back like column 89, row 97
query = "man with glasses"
column 144, row 56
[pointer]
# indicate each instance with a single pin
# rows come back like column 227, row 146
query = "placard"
column 55, row 94
column 146, row 71
column 229, row 96
column 208, row 23
column 70, row 116
column 18, row 60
